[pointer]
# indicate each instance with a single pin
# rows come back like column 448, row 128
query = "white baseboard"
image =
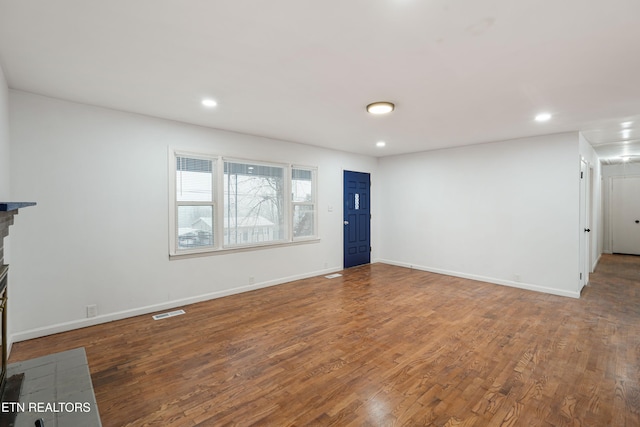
column 110, row 317
column 519, row 285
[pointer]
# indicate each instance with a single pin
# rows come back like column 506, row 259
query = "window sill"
column 214, row 252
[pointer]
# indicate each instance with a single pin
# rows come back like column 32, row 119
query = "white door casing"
column 625, row 215
column 583, row 230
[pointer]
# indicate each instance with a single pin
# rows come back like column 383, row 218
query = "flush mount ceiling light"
column 543, row 117
column 380, row 144
column 209, row 103
column 380, row 107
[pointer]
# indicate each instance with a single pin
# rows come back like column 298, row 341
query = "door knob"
column 346, row 223
column 587, row 230
column 637, row 222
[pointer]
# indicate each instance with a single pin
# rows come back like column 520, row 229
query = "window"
column 194, row 203
column 222, row 204
column 303, row 201
column 253, row 203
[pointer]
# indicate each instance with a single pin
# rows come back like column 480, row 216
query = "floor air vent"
column 169, row 314
column 333, row 276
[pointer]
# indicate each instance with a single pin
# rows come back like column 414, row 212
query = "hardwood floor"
column 382, row 345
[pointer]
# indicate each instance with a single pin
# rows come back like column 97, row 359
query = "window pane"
column 301, row 185
column 195, row 226
column 253, row 203
column 193, row 180
column 303, row 221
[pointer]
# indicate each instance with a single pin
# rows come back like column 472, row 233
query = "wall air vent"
column 169, row 314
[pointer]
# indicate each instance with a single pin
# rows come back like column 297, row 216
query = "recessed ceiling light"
column 380, row 144
column 626, row 133
column 380, row 107
column 626, row 124
column 543, row 117
column 209, row 103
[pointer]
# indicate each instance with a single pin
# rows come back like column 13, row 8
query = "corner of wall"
column 5, row 151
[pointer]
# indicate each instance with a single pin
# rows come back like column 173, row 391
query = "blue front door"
column 357, row 218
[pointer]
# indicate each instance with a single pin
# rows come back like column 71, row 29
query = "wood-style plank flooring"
column 382, row 345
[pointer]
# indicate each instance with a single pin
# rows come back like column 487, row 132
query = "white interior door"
column 625, row 215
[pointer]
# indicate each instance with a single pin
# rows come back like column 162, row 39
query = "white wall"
column 609, row 172
column 4, row 139
column 99, row 234
column 503, row 212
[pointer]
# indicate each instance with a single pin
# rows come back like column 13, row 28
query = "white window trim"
column 314, row 189
column 174, row 203
column 218, row 206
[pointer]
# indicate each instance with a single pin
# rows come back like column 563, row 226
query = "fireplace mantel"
column 14, row 206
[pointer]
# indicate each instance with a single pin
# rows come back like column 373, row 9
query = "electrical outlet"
column 92, row 310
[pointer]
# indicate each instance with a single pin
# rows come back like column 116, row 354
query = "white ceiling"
column 459, row 71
